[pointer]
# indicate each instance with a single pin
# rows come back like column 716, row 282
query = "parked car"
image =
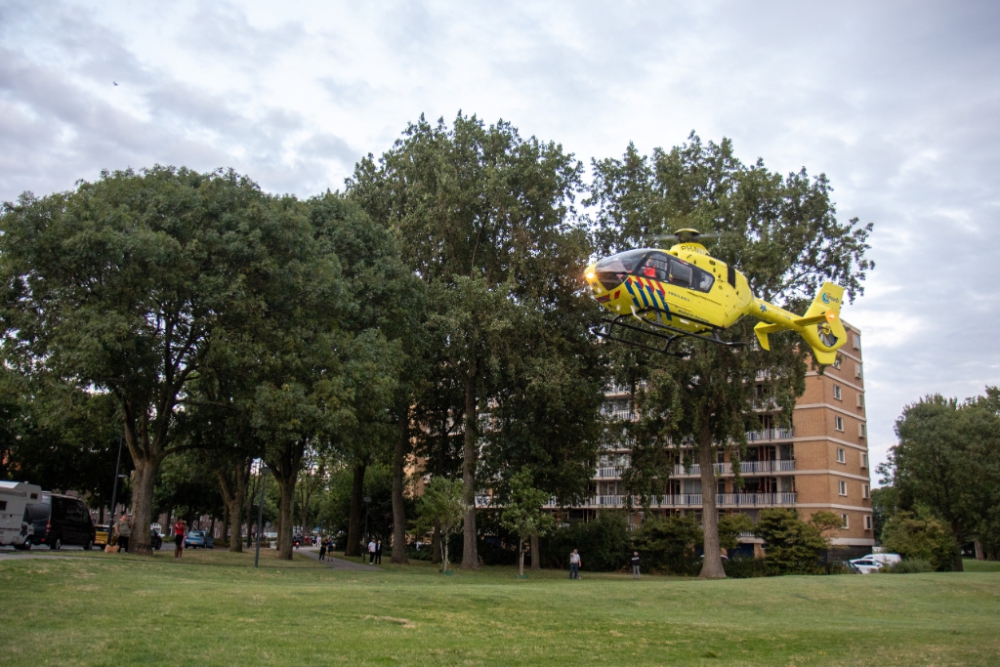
column 199, row 539
column 102, row 535
column 60, row 520
column 874, row 562
column 16, row 527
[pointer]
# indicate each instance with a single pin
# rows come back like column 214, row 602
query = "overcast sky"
column 898, row 103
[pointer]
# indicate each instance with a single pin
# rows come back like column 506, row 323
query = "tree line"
column 942, row 481
column 432, row 310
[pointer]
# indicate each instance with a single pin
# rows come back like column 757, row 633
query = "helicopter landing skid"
column 672, row 334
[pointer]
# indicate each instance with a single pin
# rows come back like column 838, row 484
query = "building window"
column 857, row 342
column 864, row 460
column 861, row 400
column 837, row 393
column 843, row 517
column 841, row 456
column 868, row 522
column 863, row 430
column 836, row 362
column 864, row 491
column 857, row 370
column 838, row 423
column 842, row 488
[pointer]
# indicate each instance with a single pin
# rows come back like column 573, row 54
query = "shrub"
column 668, row 544
column 604, row 544
column 742, row 567
column 792, row 546
column 917, row 536
column 911, row 566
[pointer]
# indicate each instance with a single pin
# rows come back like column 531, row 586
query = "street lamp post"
column 260, row 514
column 364, row 537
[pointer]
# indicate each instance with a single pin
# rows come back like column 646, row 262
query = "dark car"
column 199, row 539
column 60, row 520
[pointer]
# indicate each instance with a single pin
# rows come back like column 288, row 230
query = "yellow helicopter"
column 685, row 292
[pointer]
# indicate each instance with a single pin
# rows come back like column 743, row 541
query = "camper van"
column 15, row 522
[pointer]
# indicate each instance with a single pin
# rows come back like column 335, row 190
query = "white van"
column 15, row 524
column 875, row 562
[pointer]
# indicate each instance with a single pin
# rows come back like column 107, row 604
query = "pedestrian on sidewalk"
column 574, row 565
column 635, row 564
column 179, row 529
column 124, row 530
column 322, row 550
column 378, row 552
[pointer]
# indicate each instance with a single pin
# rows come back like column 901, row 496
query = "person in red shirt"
column 179, row 529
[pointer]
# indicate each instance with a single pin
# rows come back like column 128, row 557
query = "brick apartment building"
column 821, row 463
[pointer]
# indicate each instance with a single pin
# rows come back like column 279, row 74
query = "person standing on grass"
column 635, row 564
column 574, row 565
column 322, row 550
column 124, row 530
column 371, row 551
column 179, row 529
column 378, row 552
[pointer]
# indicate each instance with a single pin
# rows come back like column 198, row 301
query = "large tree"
column 783, row 234
column 120, row 285
column 484, row 217
column 948, row 459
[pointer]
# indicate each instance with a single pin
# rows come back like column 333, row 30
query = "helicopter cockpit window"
column 681, row 274
column 656, row 266
column 611, row 271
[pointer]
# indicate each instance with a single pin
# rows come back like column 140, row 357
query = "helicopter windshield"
column 667, row 269
column 611, row 271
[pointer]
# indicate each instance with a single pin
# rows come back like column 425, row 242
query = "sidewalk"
column 336, row 563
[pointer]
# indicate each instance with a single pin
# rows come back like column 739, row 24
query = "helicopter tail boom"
column 820, row 326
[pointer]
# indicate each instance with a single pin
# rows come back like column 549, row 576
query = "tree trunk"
column 286, row 485
column 712, row 563
column 536, row 553
column 470, row 454
column 398, row 506
column 520, row 557
column 444, row 554
column 957, row 565
column 354, row 523
column 233, row 495
column 144, row 477
column 436, row 544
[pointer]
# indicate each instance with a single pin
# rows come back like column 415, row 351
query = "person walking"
column 322, row 550
column 124, row 530
column 574, row 565
column 378, row 552
column 179, row 529
column 371, row 551
column 635, row 564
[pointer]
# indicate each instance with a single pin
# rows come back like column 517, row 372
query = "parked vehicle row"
column 874, row 562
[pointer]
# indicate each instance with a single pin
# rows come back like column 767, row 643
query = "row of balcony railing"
column 695, row 500
column 764, row 435
column 746, row 468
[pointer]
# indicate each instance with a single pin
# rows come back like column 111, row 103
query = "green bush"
column 742, row 567
column 918, row 536
column 792, row 546
column 668, row 544
column 911, row 566
column 604, row 544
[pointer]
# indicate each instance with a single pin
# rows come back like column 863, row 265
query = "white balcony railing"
column 771, row 434
column 608, row 473
column 746, row 468
column 694, row 500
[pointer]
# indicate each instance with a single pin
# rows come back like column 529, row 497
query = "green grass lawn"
column 214, row 608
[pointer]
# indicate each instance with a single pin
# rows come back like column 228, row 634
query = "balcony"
column 746, row 468
column 771, row 434
column 608, row 473
column 694, row 500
